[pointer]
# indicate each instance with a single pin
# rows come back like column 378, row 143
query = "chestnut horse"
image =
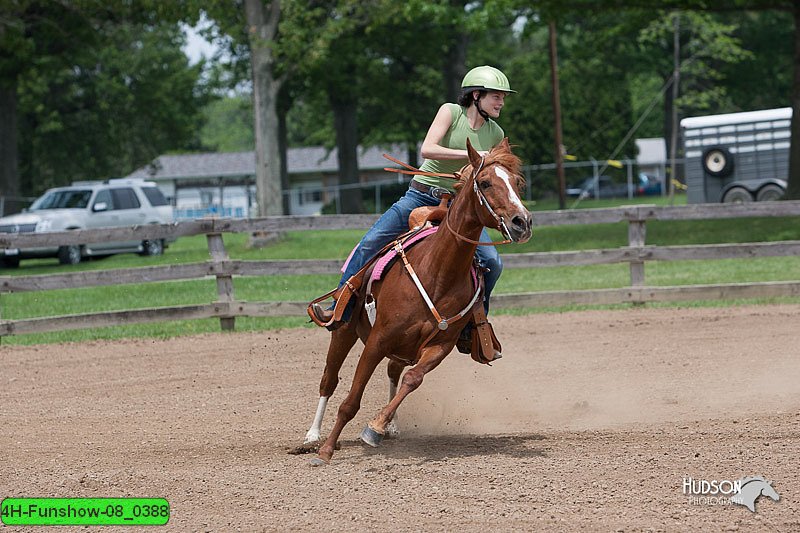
column 487, row 195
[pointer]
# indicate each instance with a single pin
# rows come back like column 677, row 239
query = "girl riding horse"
column 437, row 269
column 483, row 95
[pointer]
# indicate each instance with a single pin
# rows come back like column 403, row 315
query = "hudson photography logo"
column 744, row 491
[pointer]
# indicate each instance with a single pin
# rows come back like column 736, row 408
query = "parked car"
column 88, row 205
column 607, row 188
column 648, row 185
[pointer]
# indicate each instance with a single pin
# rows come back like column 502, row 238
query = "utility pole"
column 562, row 186
column 676, row 78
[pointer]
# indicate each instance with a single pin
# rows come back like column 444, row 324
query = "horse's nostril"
column 519, row 222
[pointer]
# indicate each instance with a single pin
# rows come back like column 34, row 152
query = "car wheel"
column 737, row 195
column 154, row 247
column 9, row 262
column 69, row 255
column 770, row 193
column 717, row 162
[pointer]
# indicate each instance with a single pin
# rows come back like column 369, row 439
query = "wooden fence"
column 226, row 308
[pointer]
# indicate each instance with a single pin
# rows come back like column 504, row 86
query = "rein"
column 412, row 170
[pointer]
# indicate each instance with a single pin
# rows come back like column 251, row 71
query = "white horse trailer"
column 737, row 157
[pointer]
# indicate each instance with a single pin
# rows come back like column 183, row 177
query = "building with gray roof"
column 224, row 183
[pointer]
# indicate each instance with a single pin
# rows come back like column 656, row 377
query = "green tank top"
column 484, row 138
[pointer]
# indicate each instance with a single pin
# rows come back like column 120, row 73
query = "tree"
column 96, row 92
column 707, row 44
column 262, row 27
column 792, row 7
column 321, row 42
column 228, row 125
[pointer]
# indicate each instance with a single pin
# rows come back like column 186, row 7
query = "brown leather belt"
column 436, row 192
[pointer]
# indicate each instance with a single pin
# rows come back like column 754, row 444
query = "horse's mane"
column 497, row 155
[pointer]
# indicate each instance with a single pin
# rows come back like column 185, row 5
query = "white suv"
column 89, row 205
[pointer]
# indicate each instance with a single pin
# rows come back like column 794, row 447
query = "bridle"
column 501, row 224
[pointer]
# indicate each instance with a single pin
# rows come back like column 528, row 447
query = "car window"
column 71, row 199
column 155, row 196
column 125, row 198
column 104, row 196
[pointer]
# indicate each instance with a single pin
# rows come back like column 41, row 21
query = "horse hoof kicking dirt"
column 404, row 329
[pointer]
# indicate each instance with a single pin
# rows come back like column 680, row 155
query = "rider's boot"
column 325, row 315
column 464, row 342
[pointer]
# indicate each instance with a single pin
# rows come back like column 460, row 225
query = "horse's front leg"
column 394, row 369
column 371, row 356
column 342, row 340
column 430, row 358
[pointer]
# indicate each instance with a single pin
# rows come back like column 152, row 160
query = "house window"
column 206, row 198
column 309, row 196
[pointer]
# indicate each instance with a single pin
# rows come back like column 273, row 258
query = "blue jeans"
column 395, row 222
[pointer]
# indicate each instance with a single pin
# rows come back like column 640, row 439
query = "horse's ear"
column 503, row 145
column 474, row 157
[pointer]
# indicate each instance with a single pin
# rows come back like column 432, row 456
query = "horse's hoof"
column 371, row 437
column 317, row 461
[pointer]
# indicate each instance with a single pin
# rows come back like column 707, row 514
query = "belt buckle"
column 437, row 192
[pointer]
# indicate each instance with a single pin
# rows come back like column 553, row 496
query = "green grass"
column 337, row 244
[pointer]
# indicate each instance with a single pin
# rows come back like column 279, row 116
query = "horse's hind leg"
column 394, row 370
column 371, row 356
column 342, row 340
column 377, row 428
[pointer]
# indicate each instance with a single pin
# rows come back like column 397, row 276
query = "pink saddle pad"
column 383, row 262
column 380, row 266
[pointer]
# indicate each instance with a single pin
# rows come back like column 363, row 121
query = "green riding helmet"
column 488, row 78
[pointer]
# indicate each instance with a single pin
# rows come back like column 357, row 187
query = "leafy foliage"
column 101, row 88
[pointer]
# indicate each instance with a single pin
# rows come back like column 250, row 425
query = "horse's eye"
column 484, row 184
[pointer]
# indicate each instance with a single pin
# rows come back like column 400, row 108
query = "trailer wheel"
column 769, row 193
column 737, row 195
column 717, row 162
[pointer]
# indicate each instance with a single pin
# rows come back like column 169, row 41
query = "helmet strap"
column 481, row 112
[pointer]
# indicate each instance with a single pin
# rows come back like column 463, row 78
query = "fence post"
column 637, row 231
column 216, row 247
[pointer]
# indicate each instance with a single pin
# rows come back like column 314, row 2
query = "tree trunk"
column 344, row 121
column 413, row 159
column 283, row 146
column 455, row 65
column 262, row 26
column 793, row 189
column 9, row 167
column 668, row 119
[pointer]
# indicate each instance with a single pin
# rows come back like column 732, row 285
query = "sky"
column 196, row 46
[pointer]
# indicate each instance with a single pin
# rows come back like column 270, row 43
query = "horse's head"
column 496, row 179
column 768, row 490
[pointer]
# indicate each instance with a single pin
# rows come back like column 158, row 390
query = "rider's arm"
column 431, row 149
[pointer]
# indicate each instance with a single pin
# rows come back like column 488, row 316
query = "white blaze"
column 501, row 172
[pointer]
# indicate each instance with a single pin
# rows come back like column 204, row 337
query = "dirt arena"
column 590, row 421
